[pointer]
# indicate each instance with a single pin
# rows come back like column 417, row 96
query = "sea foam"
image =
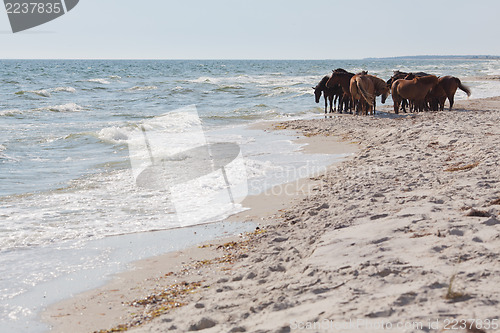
column 101, row 81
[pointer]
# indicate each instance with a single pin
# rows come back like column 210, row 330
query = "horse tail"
column 369, row 97
column 462, row 87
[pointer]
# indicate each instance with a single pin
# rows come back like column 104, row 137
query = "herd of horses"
column 349, row 92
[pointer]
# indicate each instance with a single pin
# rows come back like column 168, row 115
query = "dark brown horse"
column 446, row 88
column 330, row 94
column 414, row 90
column 342, row 78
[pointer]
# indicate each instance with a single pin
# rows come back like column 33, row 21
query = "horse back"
column 414, row 89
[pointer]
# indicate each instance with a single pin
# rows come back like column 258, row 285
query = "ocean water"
column 68, row 186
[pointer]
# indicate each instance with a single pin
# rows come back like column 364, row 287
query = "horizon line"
column 479, row 56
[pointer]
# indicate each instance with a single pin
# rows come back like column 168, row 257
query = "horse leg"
column 349, row 105
column 421, row 105
column 326, row 104
column 435, row 104
column 396, row 101
column 451, row 99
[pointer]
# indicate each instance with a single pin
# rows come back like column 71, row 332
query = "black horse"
column 331, row 94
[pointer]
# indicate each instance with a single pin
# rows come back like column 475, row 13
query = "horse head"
column 317, row 93
column 385, row 93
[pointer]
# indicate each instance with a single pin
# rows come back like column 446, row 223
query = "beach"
column 402, row 235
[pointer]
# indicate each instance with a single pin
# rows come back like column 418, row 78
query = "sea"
column 74, row 143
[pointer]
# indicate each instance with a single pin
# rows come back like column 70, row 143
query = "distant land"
column 431, row 57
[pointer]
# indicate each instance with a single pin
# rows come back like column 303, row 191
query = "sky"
column 259, row 29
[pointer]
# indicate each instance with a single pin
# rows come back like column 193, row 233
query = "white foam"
column 101, row 81
column 143, row 88
column 68, row 107
column 205, row 79
column 11, row 112
column 65, row 89
column 114, row 135
column 42, row 92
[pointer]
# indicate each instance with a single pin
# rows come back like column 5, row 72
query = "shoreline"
column 405, row 231
column 87, row 314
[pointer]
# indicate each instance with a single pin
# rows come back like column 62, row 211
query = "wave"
column 68, row 107
column 42, row 92
column 229, row 88
column 10, row 113
column 180, row 90
column 114, row 135
column 143, row 88
column 101, row 81
column 204, row 79
column 65, row 89
column 46, row 92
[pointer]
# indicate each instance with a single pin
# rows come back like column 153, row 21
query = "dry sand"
column 406, row 233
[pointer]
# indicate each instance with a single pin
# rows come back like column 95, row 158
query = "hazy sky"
column 260, row 29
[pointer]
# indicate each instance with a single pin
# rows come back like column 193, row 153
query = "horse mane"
column 322, row 83
column 340, row 70
column 324, row 80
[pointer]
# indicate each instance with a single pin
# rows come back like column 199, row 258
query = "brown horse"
column 368, row 92
column 403, row 75
column 362, row 92
column 414, row 90
column 381, row 88
column 341, row 78
column 446, row 88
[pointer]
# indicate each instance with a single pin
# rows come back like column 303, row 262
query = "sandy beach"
column 403, row 235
